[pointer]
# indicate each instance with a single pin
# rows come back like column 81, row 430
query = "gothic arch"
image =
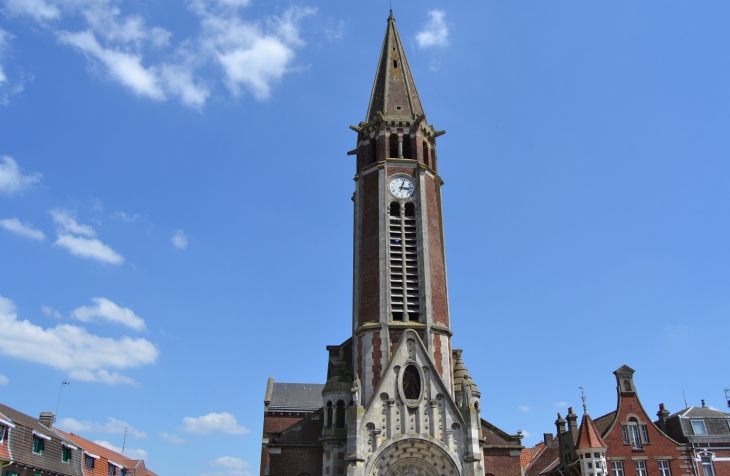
column 413, row 456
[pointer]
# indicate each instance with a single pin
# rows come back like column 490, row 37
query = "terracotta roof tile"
column 588, row 436
column 529, row 454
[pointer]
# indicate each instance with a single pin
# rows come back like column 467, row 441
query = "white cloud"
column 89, row 248
column 123, row 66
column 106, row 310
column 4, row 40
column 526, row 433
column 172, row 438
column 251, row 57
column 213, row 422
column 524, row 408
column 180, row 240
column 67, row 223
column 50, row 312
column 128, row 218
column 40, row 10
column 435, row 32
column 23, row 229
column 335, row 33
column 12, row 179
column 230, row 462
column 4, row 380
column 73, row 349
column 82, row 246
column 128, row 452
column 112, row 426
column 561, row 404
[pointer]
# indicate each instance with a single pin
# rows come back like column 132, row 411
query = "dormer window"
column 3, row 432
column 39, row 445
column 698, row 427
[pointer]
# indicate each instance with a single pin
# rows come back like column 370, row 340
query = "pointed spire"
column 394, row 91
column 461, row 375
column 583, row 397
column 588, row 436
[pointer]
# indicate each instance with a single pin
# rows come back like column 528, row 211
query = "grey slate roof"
column 700, row 412
column 296, row 396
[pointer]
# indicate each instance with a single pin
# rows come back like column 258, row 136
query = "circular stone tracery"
column 413, row 457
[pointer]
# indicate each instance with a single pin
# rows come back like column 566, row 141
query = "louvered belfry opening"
column 404, row 294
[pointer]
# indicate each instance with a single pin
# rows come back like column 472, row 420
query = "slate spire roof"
column 588, row 436
column 394, row 91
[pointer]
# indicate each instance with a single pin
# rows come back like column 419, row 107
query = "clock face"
column 401, row 187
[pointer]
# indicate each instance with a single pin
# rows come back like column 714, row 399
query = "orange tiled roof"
column 588, row 437
column 529, row 454
column 97, row 449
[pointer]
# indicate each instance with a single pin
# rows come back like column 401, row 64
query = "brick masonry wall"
column 369, row 305
column 660, row 446
column 294, row 461
column 438, row 270
column 499, row 463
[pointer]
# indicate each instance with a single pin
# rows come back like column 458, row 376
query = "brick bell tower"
column 399, row 260
column 398, row 400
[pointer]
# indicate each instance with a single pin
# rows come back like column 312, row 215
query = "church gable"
column 411, row 399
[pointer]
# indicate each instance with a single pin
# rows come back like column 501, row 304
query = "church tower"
column 398, row 399
column 399, row 260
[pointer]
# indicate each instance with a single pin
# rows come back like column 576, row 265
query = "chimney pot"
column 703, row 403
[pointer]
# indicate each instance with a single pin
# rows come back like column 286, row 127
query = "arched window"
column 411, row 383
column 329, row 415
column 393, row 145
column 410, row 210
column 407, row 147
column 627, row 386
column 635, row 433
column 340, row 414
column 373, row 151
column 426, row 158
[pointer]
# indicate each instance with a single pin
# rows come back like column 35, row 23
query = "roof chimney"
column 663, row 414
column 47, row 419
column 560, row 424
column 547, row 438
column 572, row 424
column 703, row 403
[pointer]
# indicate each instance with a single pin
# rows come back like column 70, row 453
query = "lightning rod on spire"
column 583, row 397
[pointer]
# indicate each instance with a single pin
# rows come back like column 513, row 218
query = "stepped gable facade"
column 398, row 399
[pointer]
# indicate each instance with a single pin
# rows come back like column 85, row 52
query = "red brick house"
column 706, row 432
column 624, row 442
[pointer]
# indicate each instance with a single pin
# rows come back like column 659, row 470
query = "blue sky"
column 176, row 223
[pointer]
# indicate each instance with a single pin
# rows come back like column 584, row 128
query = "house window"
column 112, row 470
column 664, row 468
column 38, row 445
column 635, row 434
column 617, row 468
column 89, row 462
column 3, row 431
column 65, row 454
column 641, row 468
column 707, row 468
column 11, row 473
column 698, row 427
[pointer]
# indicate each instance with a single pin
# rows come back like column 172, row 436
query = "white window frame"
column 3, row 432
column 641, row 468
column 706, row 462
column 704, row 427
column 617, row 468
column 664, row 467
